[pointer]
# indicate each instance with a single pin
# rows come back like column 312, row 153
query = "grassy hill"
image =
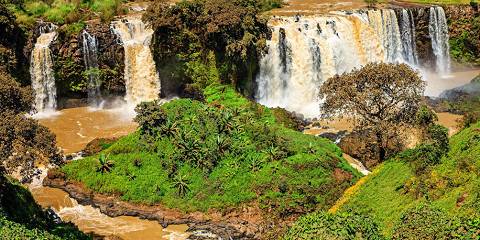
column 439, row 202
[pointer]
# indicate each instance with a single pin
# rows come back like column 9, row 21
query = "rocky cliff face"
column 425, row 53
column 12, row 42
column 111, row 58
column 69, row 66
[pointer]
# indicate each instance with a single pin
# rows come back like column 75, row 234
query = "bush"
column 13, row 97
column 150, row 117
column 424, row 222
column 430, row 152
column 322, row 225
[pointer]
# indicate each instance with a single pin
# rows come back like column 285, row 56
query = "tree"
column 23, row 142
column 380, row 98
column 209, row 40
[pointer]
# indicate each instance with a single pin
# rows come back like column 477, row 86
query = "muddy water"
column 308, row 7
column 75, row 127
column 91, row 220
column 436, row 84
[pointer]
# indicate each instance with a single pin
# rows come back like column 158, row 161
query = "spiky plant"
column 180, row 182
column 106, row 165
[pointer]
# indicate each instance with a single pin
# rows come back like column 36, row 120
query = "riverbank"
column 239, row 223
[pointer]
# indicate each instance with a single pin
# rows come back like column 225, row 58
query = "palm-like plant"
column 169, row 128
column 274, row 153
column 223, row 144
column 255, row 164
column 106, row 165
column 180, row 182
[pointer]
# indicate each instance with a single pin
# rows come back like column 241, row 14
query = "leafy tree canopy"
column 380, row 97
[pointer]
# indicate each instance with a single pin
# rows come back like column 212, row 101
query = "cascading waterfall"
column 386, row 27
column 141, row 77
column 305, row 51
column 90, row 51
column 41, row 71
column 438, row 30
column 407, row 31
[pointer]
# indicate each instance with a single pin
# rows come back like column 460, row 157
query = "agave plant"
column 223, row 144
column 106, row 165
column 169, row 128
column 180, row 182
column 255, row 164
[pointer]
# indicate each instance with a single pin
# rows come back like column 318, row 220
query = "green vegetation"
column 64, row 11
column 439, row 202
column 22, row 218
column 322, row 225
column 450, row 184
column 464, row 41
column 227, row 151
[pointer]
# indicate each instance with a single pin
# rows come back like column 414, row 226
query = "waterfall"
column 407, row 30
column 386, row 26
column 90, row 51
column 41, row 64
column 438, row 30
column 304, row 52
column 141, row 77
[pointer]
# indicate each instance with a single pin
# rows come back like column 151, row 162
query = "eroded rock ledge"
column 241, row 223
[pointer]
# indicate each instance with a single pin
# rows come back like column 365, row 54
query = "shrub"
column 13, row 97
column 322, row 225
column 150, row 117
column 424, row 222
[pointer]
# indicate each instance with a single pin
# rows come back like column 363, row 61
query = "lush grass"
column 66, row 12
column 285, row 170
column 396, row 188
column 439, row 202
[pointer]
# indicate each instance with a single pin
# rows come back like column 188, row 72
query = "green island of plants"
column 194, row 155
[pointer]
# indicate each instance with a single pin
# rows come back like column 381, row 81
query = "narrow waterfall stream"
column 41, row 71
column 90, row 52
column 438, row 29
column 141, row 77
column 407, row 34
column 91, row 220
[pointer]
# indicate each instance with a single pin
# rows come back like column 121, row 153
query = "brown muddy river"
column 75, row 127
column 91, row 220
